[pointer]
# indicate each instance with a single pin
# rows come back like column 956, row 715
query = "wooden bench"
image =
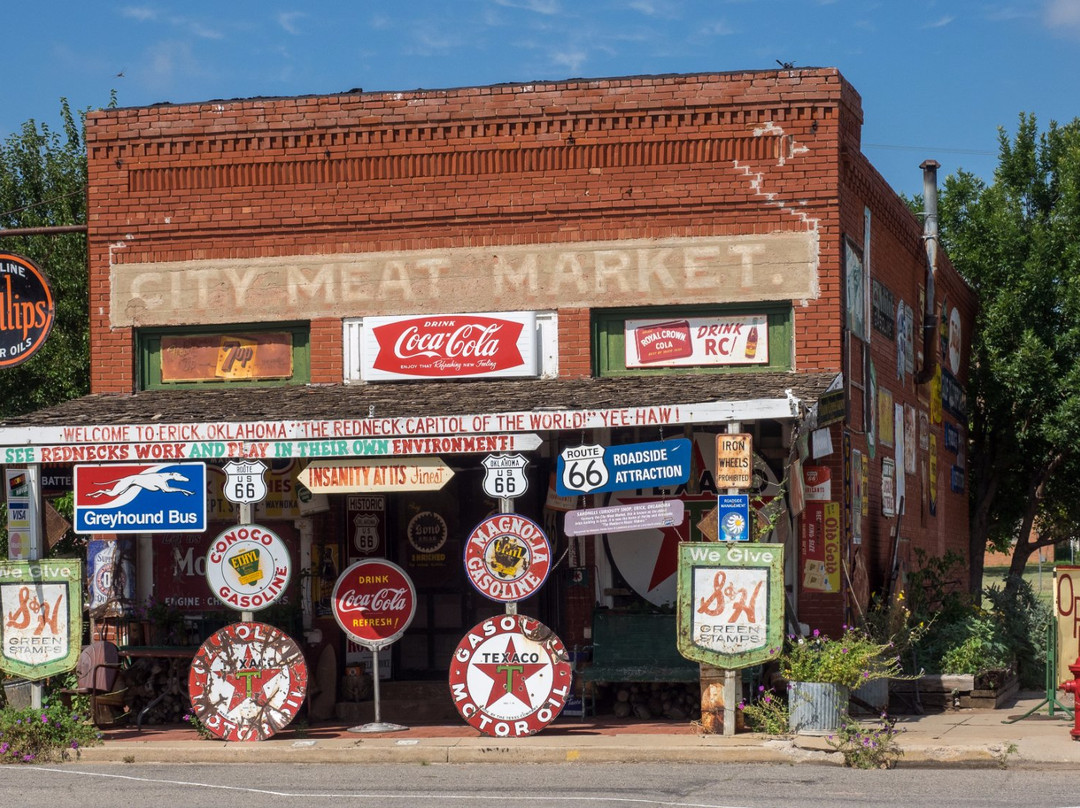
column 634, row 647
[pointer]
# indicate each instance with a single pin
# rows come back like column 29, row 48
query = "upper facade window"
column 191, row 357
column 707, row 339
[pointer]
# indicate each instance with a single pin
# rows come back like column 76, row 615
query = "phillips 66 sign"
column 730, row 603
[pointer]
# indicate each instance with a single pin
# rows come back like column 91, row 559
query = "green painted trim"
column 17, row 574
column 609, row 337
column 148, row 349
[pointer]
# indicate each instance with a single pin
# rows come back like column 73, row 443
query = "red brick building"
column 585, row 215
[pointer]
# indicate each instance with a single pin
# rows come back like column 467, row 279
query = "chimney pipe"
column 930, row 241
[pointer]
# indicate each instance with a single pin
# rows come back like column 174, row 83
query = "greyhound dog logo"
column 122, row 490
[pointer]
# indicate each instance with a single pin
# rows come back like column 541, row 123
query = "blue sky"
column 937, row 78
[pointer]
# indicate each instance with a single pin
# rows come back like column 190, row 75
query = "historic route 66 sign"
column 504, row 475
column 582, row 468
column 244, row 482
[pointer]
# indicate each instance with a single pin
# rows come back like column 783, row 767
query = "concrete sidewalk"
column 967, row 737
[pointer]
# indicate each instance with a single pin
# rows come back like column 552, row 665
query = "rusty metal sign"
column 510, row 676
column 507, row 557
column 730, row 603
column 247, row 682
column 248, row 567
column 734, row 460
column 40, row 616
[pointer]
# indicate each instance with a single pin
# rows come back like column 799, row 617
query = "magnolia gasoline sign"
column 730, row 603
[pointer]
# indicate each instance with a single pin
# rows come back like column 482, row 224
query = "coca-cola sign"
column 374, row 601
column 449, row 346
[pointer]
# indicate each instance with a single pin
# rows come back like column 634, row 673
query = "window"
column 217, row 355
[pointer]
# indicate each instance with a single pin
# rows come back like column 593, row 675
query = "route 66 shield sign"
column 504, row 475
column 582, row 469
column 244, row 481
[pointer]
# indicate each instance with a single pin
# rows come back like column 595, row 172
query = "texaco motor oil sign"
column 41, row 625
column 510, row 676
column 247, row 681
column 730, row 603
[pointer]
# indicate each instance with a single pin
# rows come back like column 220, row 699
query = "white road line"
column 361, row 795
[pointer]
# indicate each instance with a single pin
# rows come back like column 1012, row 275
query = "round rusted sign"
column 374, row 601
column 247, row 681
column 248, row 567
column 510, row 676
column 507, row 557
column 26, row 309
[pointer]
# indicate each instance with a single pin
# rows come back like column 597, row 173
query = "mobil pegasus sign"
column 449, row 346
column 142, row 498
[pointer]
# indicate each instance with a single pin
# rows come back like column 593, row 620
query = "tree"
column 1017, row 242
column 43, row 184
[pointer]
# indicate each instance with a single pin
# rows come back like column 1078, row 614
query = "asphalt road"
column 527, row 786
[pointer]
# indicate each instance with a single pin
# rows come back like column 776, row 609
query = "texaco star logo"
column 247, row 681
column 510, row 676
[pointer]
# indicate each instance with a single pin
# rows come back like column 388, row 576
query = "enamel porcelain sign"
column 450, row 346
column 510, row 676
column 26, row 309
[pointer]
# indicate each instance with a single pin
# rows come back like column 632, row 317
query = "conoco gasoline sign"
column 374, row 601
column 730, row 602
column 26, row 309
column 507, row 557
column 247, row 681
column 248, row 567
column 510, row 676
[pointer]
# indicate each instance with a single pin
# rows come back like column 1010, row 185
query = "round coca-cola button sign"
column 507, row 557
column 374, row 601
column 510, row 676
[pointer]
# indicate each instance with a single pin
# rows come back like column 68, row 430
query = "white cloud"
column 572, row 60
column 718, row 28
column 1063, row 13
column 288, row 19
column 538, row 6
column 140, row 13
column 940, row 23
column 652, row 8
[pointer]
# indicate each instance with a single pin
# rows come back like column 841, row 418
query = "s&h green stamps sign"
column 40, row 616
column 730, row 603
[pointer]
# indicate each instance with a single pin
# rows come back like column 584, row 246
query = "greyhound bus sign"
column 143, row 498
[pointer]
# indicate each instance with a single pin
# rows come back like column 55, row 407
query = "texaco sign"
column 247, row 681
column 248, row 567
column 510, row 676
column 507, row 557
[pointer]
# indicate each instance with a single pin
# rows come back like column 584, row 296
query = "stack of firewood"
column 647, row 701
column 147, row 679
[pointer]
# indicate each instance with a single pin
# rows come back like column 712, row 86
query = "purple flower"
column 27, row 758
column 44, row 719
column 4, row 747
column 74, row 744
column 817, row 633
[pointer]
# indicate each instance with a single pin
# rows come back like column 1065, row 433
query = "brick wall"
column 633, row 158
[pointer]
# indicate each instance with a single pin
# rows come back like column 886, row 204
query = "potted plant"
column 821, row 672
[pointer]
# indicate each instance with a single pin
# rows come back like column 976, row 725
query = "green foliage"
column 851, row 660
column 1017, row 243
column 199, row 727
column 866, row 746
column 43, row 184
column 51, row 732
column 767, row 713
column 1025, row 620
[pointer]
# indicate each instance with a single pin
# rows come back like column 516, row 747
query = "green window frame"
column 149, row 353
column 609, row 337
